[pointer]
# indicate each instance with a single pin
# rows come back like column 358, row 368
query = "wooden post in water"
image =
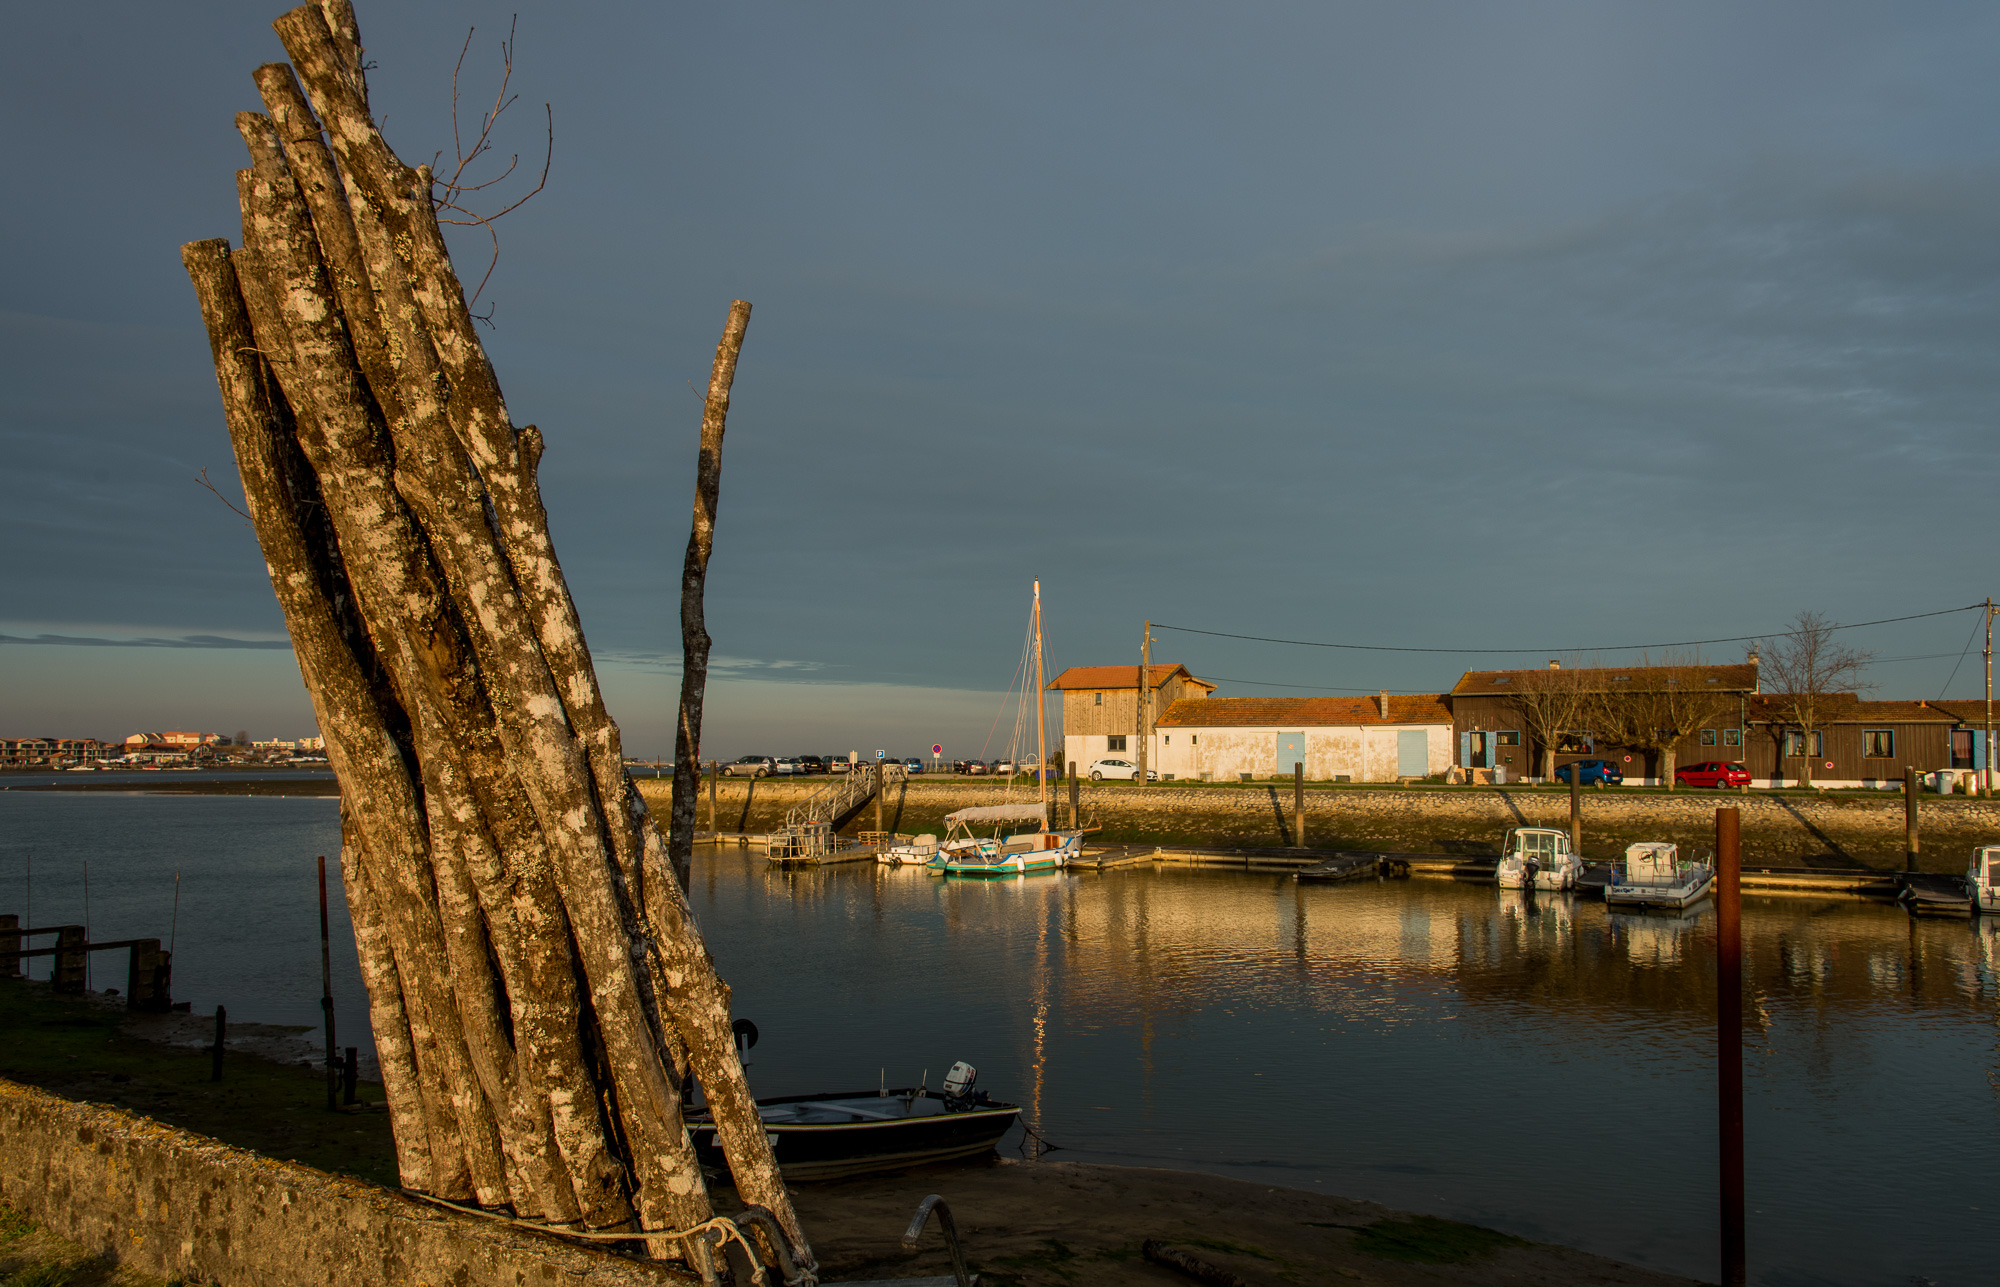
column 1910, row 842
column 714, row 785
column 215, row 1054
column 881, row 782
column 1299, row 803
column 326, row 996
column 1729, row 1033
column 1576, row 811
column 1072, row 795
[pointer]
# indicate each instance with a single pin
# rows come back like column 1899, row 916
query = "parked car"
column 750, row 766
column 811, row 764
column 1102, row 769
column 1713, row 773
column 968, row 766
column 1590, row 773
column 913, row 764
column 1007, row 768
column 837, row 764
column 786, row 766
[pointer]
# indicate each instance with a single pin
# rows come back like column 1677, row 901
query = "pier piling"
column 1910, row 841
column 1729, row 1033
column 1299, row 803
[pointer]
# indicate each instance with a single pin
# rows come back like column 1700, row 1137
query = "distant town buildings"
column 178, row 746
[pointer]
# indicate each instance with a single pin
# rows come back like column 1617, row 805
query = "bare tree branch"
column 1799, row 672
column 202, row 478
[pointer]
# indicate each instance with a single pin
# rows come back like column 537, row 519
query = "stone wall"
column 178, row 1205
column 1778, row 830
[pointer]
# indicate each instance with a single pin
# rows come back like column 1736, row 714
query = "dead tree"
column 1655, row 708
column 1800, row 673
column 1551, row 704
column 539, row 993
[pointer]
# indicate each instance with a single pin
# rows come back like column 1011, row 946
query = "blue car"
column 1590, row 773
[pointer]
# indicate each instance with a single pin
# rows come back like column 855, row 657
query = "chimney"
column 1554, row 664
column 1756, row 677
column 1382, row 699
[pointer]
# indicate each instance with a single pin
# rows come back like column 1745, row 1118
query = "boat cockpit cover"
column 1651, row 861
column 1000, row 813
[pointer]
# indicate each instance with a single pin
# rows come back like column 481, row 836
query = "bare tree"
column 1659, row 706
column 1551, row 703
column 1798, row 673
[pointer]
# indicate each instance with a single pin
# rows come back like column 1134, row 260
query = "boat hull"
column 1681, row 895
column 833, row 1150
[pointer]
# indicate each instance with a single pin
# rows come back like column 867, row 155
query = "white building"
column 1357, row 739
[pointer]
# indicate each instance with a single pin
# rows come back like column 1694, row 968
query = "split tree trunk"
column 539, row 993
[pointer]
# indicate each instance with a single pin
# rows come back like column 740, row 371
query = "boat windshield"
column 1993, row 873
column 1539, row 844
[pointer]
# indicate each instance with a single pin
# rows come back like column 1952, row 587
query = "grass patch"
column 73, row 1047
column 1427, row 1240
column 31, row 1256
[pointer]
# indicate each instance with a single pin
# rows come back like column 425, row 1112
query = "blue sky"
column 1544, row 326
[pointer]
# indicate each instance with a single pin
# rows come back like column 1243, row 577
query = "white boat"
column 1537, row 858
column 918, row 852
column 965, row 854
column 1982, row 878
column 1655, row 875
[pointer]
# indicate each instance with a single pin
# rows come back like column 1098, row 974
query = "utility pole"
column 1145, row 692
column 1986, row 775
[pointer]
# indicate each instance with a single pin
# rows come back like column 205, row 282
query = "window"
column 1503, row 679
column 1732, row 737
column 1099, row 699
column 1510, row 738
column 1795, row 745
column 1575, row 742
column 1878, row 743
column 1168, row 740
column 1708, row 737
column 1114, row 743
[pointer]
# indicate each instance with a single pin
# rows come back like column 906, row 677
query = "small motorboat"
column 1654, row 874
column 918, row 851
column 826, row 1137
column 1537, row 858
column 1928, row 894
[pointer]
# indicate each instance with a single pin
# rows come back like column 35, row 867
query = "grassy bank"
column 76, row 1048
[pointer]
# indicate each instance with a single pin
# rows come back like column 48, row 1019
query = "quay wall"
column 177, row 1205
column 1833, row 830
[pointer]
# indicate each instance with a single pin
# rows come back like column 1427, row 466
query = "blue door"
column 1413, row 753
column 1291, row 751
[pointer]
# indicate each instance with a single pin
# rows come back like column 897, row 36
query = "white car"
column 1102, row 769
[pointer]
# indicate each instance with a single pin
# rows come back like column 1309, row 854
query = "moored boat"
column 1537, row 858
column 962, row 853
column 1982, row 880
column 917, row 852
column 1653, row 874
column 1929, row 894
column 826, row 1137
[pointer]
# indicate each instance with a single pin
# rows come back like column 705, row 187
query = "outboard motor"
column 958, row 1092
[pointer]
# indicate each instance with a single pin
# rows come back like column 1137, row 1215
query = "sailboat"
column 963, row 852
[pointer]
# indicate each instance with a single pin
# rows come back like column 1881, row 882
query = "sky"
column 1524, row 330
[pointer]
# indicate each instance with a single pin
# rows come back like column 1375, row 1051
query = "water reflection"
column 1382, row 1040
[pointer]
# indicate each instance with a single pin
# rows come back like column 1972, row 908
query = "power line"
column 1683, row 643
column 1319, row 688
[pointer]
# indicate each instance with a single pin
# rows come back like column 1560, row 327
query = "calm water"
column 1544, row 1068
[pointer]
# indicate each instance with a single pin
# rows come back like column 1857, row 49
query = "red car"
column 1713, row 773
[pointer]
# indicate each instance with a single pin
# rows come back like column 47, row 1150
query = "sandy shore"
column 1058, row 1224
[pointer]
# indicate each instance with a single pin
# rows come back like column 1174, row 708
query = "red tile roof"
column 1846, row 708
column 1121, row 676
column 1302, row 712
column 1732, row 678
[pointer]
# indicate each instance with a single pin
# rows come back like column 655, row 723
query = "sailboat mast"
column 1041, row 730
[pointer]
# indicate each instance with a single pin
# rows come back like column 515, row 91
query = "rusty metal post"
column 1729, row 1033
column 1575, row 810
column 10, row 941
column 1072, row 795
column 1299, row 803
column 1910, row 842
column 68, row 975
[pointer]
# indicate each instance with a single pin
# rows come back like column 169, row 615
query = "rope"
column 722, row 1226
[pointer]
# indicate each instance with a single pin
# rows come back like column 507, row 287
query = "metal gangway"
column 807, row 835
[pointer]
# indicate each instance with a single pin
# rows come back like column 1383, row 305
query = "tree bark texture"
column 694, row 582
column 539, row 992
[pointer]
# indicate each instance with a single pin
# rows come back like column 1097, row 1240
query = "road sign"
column 881, row 755
column 937, row 750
